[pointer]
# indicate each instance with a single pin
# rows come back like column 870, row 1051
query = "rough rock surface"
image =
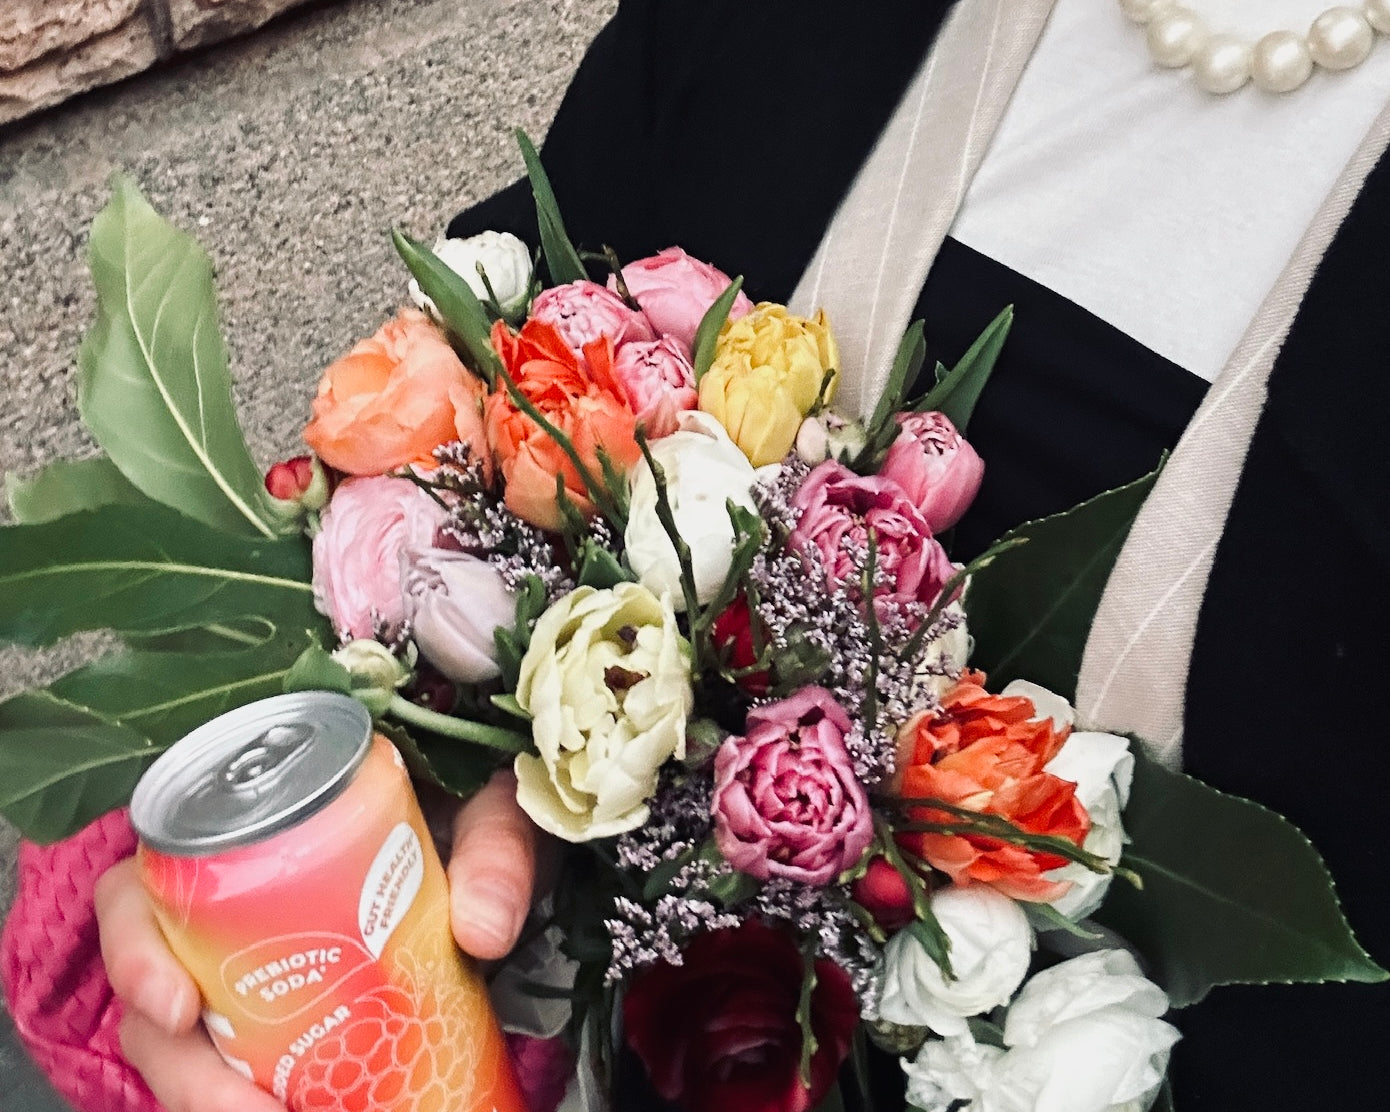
column 195, row 22
column 29, row 29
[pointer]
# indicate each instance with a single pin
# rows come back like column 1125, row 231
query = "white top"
column 1179, row 208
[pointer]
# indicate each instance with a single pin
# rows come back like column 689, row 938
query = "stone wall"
column 53, row 49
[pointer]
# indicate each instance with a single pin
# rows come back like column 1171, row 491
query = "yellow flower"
column 766, row 376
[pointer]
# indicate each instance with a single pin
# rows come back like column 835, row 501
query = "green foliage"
column 144, row 569
column 711, row 324
column 1030, row 609
column 61, row 765
column 882, row 428
column 66, row 487
column 1232, row 893
column 561, row 259
column 153, row 386
column 464, row 317
column 957, row 392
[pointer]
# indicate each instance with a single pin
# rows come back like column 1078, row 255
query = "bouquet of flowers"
column 820, row 785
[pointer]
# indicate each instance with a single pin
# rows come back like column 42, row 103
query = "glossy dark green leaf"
column 459, row 770
column 711, row 324
column 561, row 259
column 1031, row 608
column 1232, row 893
column 144, row 569
column 61, row 765
column 67, row 487
column 956, row 394
column 152, row 385
column 316, row 670
column 458, row 306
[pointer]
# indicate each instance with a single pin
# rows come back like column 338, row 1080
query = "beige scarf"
column 871, row 266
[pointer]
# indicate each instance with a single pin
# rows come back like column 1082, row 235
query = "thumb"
column 492, row 869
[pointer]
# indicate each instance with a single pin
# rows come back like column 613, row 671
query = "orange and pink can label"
column 293, row 875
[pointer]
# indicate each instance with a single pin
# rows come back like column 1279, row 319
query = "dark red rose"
column 719, row 1033
column 884, row 894
column 732, row 631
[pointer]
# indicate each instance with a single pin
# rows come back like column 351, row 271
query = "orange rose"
column 392, row 400
column 986, row 753
column 577, row 400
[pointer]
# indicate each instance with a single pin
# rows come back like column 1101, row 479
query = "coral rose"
column 391, row 400
column 986, row 753
column 718, row 1033
column 578, row 400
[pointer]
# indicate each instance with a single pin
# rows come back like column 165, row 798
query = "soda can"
column 294, row 877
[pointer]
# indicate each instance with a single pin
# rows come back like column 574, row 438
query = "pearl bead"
column 1175, row 36
column 1223, row 65
column 1142, row 11
column 1340, row 39
column 1378, row 15
column 1281, row 62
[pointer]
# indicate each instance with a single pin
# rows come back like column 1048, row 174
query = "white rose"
column 1048, row 704
column 505, row 259
column 1102, row 768
column 948, row 1071
column 1085, row 1036
column 991, row 946
column 703, row 470
column 455, row 604
column 607, row 682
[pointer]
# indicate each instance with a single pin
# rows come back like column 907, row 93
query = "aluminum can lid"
column 251, row 773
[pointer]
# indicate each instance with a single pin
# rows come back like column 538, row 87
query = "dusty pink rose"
column 657, row 382
column 786, row 800
column 368, row 524
column 676, row 291
column 583, row 312
column 838, row 510
column 456, row 603
column 936, row 467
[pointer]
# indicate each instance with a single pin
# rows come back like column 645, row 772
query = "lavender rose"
column 786, row 800
column 839, row 508
column 582, row 312
column 937, row 468
column 676, row 290
column 455, row 603
column 368, row 524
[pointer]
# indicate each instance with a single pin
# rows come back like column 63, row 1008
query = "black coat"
column 733, row 128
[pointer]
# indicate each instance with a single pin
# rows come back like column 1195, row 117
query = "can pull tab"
column 260, row 762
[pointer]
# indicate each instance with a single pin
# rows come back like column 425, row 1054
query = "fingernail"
column 164, row 1002
column 489, row 911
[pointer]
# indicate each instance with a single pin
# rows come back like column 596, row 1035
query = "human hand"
column 491, row 875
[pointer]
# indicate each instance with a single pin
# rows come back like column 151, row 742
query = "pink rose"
column 936, row 467
column 676, row 291
column 657, row 382
column 786, row 800
column 368, row 524
column 583, row 312
column 455, row 603
column 839, row 508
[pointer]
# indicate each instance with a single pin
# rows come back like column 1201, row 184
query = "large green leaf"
column 144, row 569
column 560, row 256
column 152, row 384
column 956, row 394
column 62, row 765
column 1232, row 893
column 67, row 487
column 164, row 695
column 1032, row 607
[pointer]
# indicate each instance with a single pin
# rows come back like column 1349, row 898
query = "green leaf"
column 152, row 383
column 1232, row 893
column 460, row 770
column 1031, row 608
column 458, row 306
column 144, row 569
column 316, row 670
column 599, row 568
column 61, row 765
column 956, row 394
column 164, row 695
column 711, row 324
column 67, row 487
column 241, row 633
column 508, row 705
column 561, row 258
column 912, row 353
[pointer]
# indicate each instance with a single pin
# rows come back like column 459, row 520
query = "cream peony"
column 703, row 470
column 607, row 683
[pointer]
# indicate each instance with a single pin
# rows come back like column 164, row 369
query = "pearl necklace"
column 1339, row 39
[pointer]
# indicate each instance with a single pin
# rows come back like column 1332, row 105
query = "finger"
column 186, row 1073
column 492, row 870
column 139, row 964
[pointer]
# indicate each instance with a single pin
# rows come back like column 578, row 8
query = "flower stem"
column 494, row 737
